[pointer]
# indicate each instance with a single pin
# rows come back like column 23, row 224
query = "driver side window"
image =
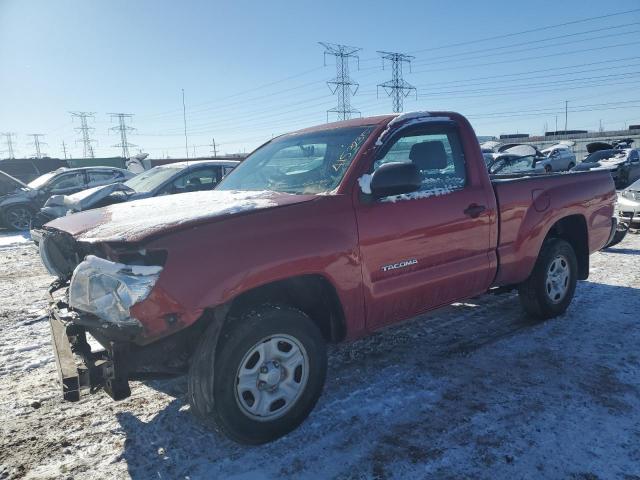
column 67, row 181
column 438, row 156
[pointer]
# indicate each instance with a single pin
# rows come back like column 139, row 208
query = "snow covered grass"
column 471, row 391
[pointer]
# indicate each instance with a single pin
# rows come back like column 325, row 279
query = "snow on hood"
column 86, row 198
column 138, row 219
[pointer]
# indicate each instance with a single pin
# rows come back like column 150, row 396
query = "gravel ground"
column 471, row 391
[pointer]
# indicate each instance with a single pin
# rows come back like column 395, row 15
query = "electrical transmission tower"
column 214, row 147
column 64, row 149
column 84, row 130
column 397, row 88
column 37, row 143
column 9, row 140
column 343, row 85
column 123, row 128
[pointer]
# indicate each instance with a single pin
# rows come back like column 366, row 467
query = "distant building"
column 514, row 135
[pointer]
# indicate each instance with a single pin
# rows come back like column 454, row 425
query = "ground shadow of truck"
column 397, row 402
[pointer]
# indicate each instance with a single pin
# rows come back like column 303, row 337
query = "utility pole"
column 122, row 128
column 343, row 85
column 214, row 147
column 397, row 88
column 36, row 143
column 566, row 114
column 84, row 130
column 184, row 119
column 9, row 141
column 64, row 149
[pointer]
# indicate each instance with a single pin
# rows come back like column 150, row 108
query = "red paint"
column 347, row 241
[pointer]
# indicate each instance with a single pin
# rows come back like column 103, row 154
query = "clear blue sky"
column 251, row 70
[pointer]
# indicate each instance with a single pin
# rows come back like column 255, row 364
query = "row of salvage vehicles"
column 618, row 158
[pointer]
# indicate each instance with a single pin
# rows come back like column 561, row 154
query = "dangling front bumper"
column 78, row 367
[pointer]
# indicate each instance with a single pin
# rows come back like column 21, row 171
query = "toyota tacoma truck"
column 322, row 235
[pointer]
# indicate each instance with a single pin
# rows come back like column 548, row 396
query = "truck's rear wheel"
column 263, row 375
column 549, row 289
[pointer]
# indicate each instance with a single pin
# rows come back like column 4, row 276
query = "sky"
column 252, row 70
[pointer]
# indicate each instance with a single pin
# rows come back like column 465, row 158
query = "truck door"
column 431, row 247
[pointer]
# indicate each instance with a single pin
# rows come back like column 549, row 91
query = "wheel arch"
column 573, row 229
column 313, row 294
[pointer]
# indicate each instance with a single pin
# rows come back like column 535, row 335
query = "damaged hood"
column 86, row 198
column 136, row 220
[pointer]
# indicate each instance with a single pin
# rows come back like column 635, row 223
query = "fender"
column 210, row 265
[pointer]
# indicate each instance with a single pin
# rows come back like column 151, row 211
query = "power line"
column 397, row 88
column 123, row 128
column 84, row 130
column 36, row 143
column 9, row 141
column 184, row 119
column 487, row 53
column 524, row 32
column 343, row 85
column 521, row 59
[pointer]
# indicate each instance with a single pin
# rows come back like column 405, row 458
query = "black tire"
column 534, row 292
column 18, row 217
column 213, row 373
column 571, row 165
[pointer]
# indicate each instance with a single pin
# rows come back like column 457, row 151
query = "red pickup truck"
column 321, row 235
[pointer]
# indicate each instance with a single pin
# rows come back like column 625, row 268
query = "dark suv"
column 18, row 208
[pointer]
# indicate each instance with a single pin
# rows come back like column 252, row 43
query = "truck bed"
column 530, row 205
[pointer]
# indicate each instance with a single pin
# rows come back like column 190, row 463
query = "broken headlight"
column 109, row 289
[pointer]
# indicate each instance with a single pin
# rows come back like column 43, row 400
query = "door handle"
column 474, row 210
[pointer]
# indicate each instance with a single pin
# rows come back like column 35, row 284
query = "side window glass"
column 438, row 156
column 203, row 179
column 65, row 182
column 101, row 177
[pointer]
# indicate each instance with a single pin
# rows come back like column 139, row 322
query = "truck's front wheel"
column 263, row 375
column 549, row 289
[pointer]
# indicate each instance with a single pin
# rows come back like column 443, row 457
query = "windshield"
column 41, row 180
column 151, row 179
column 8, row 184
column 306, row 163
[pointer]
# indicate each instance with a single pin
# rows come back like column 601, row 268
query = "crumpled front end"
column 96, row 296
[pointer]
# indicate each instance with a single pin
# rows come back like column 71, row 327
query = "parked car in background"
column 558, row 158
column 28, row 169
column 623, row 164
column 10, row 186
column 508, row 164
column 362, row 223
column 18, row 209
column 180, row 177
column 628, row 205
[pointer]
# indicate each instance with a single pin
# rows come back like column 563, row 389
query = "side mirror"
column 395, row 178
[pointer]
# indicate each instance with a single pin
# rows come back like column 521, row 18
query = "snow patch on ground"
column 10, row 239
column 475, row 390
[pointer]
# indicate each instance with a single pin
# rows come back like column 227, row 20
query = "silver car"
column 558, row 157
